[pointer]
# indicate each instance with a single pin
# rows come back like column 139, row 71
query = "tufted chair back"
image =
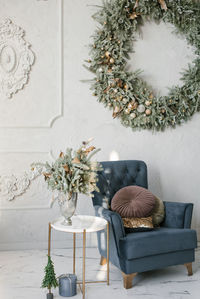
column 116, row 175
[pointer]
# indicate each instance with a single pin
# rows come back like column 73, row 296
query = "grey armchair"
column 173, row 243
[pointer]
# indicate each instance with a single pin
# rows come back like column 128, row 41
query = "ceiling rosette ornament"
column 16, row 58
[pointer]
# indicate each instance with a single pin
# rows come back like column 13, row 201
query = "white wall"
column 40, row 122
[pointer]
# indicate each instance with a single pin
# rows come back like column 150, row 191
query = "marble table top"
column 79, row 223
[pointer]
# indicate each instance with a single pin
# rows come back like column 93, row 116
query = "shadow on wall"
column 154, row 181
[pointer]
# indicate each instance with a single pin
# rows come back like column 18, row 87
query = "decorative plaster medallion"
column 13, row 186
column 16, row 58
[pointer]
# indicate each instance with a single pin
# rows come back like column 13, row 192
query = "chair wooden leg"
column 128, row 278
column 189, row 268
column 103, row 261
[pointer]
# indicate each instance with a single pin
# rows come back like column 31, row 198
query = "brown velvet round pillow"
column 133, row 201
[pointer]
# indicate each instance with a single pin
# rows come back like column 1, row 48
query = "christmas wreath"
column 124, row 92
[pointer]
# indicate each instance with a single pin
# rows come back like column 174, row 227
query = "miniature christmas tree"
column 49, row 280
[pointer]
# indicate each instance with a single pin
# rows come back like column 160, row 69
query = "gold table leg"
column 108, row 253
column 49, row 240
column 84, row 241
column 49, row 247
column 83, row 282
column 74, row 253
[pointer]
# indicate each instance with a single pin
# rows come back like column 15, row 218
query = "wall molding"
column 35, row 207
column 13, row 186
column 16, row 58
column 53, row 120
column 61, row 66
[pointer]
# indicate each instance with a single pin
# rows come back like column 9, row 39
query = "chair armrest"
column 115, row 221
column 178, row 214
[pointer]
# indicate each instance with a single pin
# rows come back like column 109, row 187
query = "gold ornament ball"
column 141, row 108
column 112, row 60
column 102, row 56
column 127, row 111
column 147, row 103
column 125, row 86
column 107, row 54
column 133, row 115
column 163, row 111
column 148, row 111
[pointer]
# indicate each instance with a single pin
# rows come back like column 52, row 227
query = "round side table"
column 82, row 224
